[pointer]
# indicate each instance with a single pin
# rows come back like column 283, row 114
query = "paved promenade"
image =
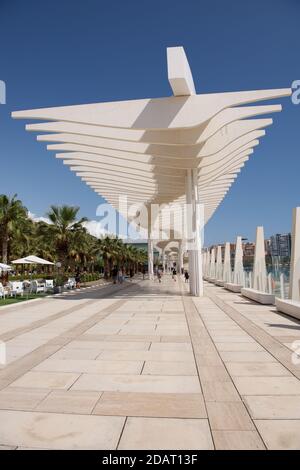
column 146, row 366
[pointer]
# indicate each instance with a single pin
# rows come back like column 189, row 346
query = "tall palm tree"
column 12, row 216
column 66, row 231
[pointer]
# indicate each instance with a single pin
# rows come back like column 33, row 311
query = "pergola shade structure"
column 186, row 147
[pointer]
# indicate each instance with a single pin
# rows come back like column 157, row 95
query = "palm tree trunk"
column 4, row 248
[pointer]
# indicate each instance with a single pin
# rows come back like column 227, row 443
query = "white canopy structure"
column 186, row 148
column 32, row 260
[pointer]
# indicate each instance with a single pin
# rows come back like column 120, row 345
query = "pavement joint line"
column 259, row 335
column 23, row 365
column 190, row 300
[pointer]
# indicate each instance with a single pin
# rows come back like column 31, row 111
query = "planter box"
column 212, row 280
column 219, row 282
column 233, row 287
column 258, row 296
column 288, row 306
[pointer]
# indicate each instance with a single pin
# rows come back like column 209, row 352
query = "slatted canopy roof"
column 143, row 148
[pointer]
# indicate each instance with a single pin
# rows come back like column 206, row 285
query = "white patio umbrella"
column 4, row 267
column 32, row 260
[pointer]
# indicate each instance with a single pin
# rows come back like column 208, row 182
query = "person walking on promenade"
column 186, row 276
column 159, row 274
column 120, row 276
column 174, row 273
column 115, row 274
column 77, row 279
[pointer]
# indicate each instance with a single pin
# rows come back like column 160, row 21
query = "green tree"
column 12, row 217
column 67, row 233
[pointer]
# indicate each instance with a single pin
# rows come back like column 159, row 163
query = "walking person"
column 77, row 279
column 186, row 276
column 120, row 276
column 115, row 274
column 159, row 274
column 174, row 273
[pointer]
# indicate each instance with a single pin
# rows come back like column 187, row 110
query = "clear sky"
column 63, row 52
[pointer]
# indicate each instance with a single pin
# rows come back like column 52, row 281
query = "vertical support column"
column 164, row 260
column 294, row 289
column 180, row 256
column 150, row 258
column 190, row 234
column 198, row 243
column 150, row 245
column 194, row 234
column 259, row 269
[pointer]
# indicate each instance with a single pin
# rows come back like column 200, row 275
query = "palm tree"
column 110, row 249
column 12, row 215
column 66, row 231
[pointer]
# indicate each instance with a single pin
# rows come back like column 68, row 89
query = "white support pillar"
column 227, row 264
column 219, row 270
column 190, row 230
column 150, row 258
column 238, row 273
column 198, row 241
column 180, row 256
column 194, row 234
column 259, row 268
column 164, row 260
column 294, row 289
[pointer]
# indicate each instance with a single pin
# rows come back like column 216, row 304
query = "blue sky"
column 63, row 52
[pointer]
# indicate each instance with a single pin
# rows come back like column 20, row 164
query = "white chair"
column 71, row 284
column 37, row 287
column 2, row 291
column 16, row 288
column 49, row 284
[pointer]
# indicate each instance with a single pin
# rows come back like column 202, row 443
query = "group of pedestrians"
column 118, row 275
column 159, row 274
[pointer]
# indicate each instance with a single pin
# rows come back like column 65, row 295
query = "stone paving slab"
column 59, row 431
column 280, row 434
column 149, row 367
column 165, row 405
column 237, row 440
column 161, row 433
column 69, row 401
column 138, row 383
column 273, row 407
